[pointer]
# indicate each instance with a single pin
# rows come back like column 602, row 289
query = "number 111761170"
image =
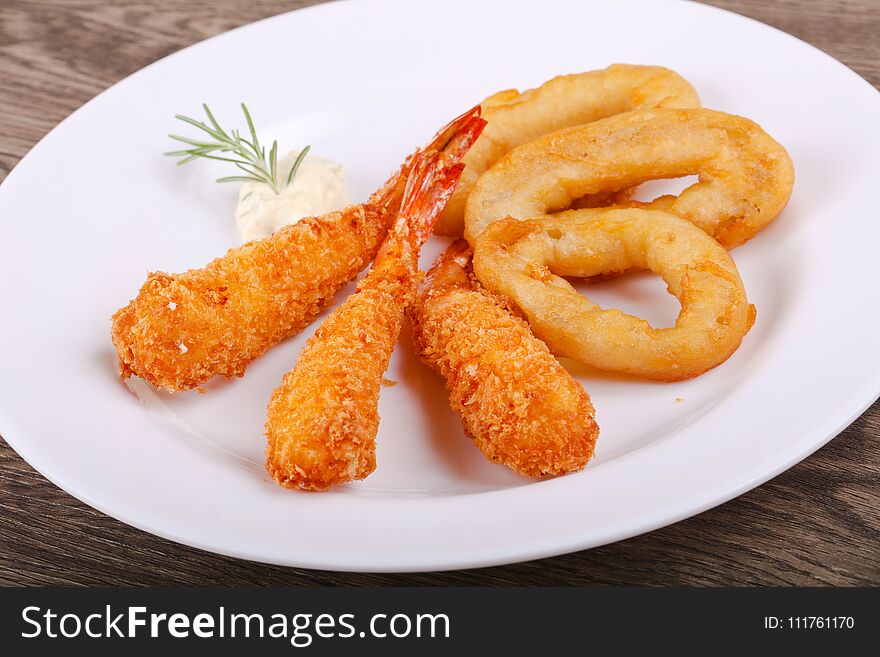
column 809, row 623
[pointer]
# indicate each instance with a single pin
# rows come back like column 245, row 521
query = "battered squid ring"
column 746, row 177
column 520, row 259
column 515, row 118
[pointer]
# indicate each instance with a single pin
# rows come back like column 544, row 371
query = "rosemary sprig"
column 247, row 154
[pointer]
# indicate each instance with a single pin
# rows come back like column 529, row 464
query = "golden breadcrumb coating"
column 517, row 403
column 183, row 329
column 322, row 420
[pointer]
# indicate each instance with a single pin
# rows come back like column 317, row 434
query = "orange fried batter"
column 526, row 261
column 183, row 329
column 516, row 118
column 517, row 403
column 323, row 418
column 745, row 176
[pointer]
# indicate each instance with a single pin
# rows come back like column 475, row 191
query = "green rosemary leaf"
column 273, row 165
column 246, row 154
column 195, row 142
column 214, row 121
column 254, row 171
column 200, row 125
column 250, row 122
column 297, row 162
column 238, row 179
column 217, row 157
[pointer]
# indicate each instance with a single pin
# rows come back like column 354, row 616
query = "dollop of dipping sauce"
column 319, row 186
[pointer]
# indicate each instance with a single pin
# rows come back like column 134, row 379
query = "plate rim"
column 576, row 542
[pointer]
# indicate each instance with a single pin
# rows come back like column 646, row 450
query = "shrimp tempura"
column 183, row 329
column 323, row 418
column 517, row 403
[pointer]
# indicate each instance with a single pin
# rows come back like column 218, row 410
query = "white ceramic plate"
column 95, row 205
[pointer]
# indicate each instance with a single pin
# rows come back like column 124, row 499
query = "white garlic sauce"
column 319, row 186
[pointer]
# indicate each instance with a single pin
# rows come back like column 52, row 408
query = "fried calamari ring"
column 515, row 117
column 520, row 259
column 745, row 176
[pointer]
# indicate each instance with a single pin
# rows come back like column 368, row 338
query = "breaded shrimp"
column 517, row 403
column 323, row 418
column 183, row 329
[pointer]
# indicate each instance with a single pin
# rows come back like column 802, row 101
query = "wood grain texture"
column 816, row 524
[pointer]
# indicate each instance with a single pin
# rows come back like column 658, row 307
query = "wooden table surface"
column 816, row 524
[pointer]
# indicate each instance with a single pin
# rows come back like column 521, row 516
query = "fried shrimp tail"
column 517, row 403
column 184, row 329
column 323, row 418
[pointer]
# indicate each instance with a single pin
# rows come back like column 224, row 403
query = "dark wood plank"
column 816, row 524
